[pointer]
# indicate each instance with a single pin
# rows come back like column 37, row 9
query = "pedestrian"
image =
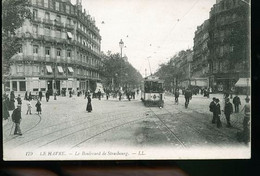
column 17, row 117
column 38, row 107
column 217, row 113
column 187, row 95
column 30, row 96
column 107, row 94
column 47, row 95
column 244, row 136
column 86, row 94
column 12, row 101
column 176, row 95
column 19, row 100
column 212, row 107
column 26, row 96
column 40, row 95
column 6, row 114
column 120, row 95
column 99, row 94
column 70, row 93
column 89, row 106
column 228, row 110
column 29, row 107
column 236, row 102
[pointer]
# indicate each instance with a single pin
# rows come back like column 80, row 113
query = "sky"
column 152, row 30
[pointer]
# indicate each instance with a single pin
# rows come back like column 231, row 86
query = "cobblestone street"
column 66, row 123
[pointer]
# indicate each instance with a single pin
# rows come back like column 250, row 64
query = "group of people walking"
column 215, row 108
column 16, row 117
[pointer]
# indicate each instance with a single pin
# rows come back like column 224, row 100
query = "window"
column 58, row 33
column 36, row 69
column 20, row 49
column 58, row 19
column 57, row 6
column 35, row 49
column 34, row 2
column 14, row 84
column 35, row 13
column 69, row 21
column 20, row 68
column 68, row 53
column 35, row 29
column 58, row 52
column 231, row 48
column 47, row 31
column 40, row 2
column 47, row 51
column 67, row 9
column 46, row 3
column 51, row 4
column 47, row 15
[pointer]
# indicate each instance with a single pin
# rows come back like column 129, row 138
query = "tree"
column 116, row 71
column 14, row 13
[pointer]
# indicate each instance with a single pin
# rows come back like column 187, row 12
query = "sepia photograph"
column 126, row 79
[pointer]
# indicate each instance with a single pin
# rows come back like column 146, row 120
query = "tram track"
column 26, row 131
column 109, row 120
column 168, row 129
column 218, row 131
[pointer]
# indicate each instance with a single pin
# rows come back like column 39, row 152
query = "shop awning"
column 71, row 69
column 69, row 35
column 243, row 82
column 60, row 69
column 49, row 69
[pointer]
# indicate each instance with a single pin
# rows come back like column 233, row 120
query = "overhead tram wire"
column 178, row 21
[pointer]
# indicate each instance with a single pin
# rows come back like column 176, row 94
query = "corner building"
column 60, row 49
column 229, row 53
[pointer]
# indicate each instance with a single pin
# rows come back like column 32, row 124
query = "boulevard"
column 65, row 122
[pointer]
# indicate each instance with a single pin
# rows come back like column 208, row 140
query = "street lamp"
column 54, row 80
column 121, row 45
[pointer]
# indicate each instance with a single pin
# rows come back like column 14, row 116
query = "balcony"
column 69, row 26
column 58, row 23
column 47, row 21
column 36, row 19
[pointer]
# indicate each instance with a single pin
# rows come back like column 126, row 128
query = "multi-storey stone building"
column 229, row 57
column 60, row 49
column 200, row 64
column 182, row 68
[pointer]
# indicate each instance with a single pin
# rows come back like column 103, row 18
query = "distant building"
column 60, row 49
column 229, row 57
column 182, row 68
column 200, row 61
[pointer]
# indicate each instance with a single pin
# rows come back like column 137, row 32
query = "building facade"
column 60, row 49
column 200, row 63
column 229, row 56
column 182, row 69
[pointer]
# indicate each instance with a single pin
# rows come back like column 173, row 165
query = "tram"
column 152, row 93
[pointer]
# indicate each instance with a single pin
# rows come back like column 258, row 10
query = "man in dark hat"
column 228, row 110
column 217, row 113
column 236, row 102
column 212, row 107
column 17, row 117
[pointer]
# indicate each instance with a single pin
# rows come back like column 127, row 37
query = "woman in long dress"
column 89, row 106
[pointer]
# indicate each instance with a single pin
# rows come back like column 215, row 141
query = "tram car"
column 152, row 93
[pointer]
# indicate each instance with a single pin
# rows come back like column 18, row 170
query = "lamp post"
column 121, row 45
column 54, row 80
